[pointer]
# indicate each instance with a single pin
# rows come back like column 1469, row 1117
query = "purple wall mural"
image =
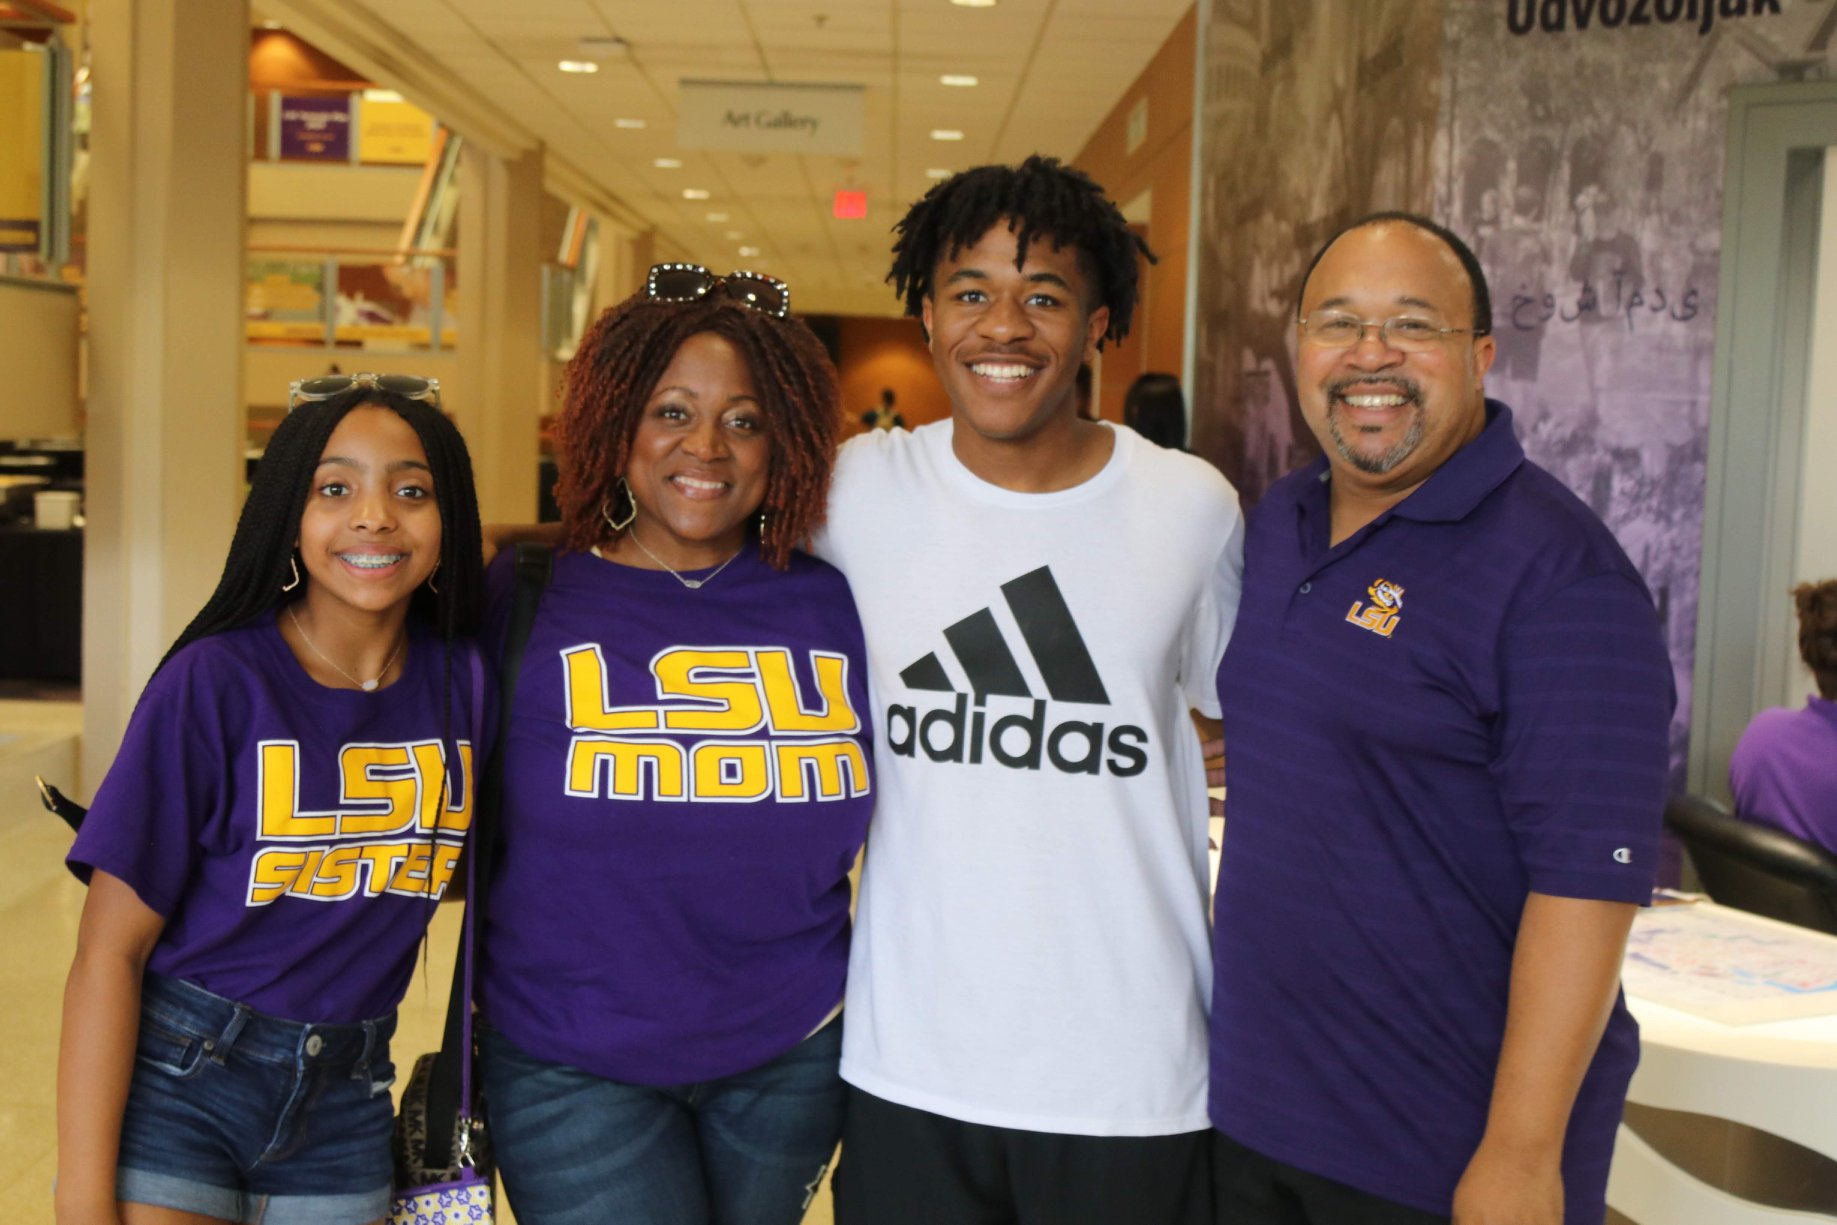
column 1576, row 144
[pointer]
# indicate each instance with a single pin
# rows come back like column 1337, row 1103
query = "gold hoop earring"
column 631, row 511
column 294, row 565
column 430, row 579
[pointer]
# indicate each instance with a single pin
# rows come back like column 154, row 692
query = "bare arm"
column 96, row 1055
column 1212, row 746
column 1565, row 972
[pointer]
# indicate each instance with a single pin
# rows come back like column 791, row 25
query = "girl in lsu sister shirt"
column 266, row 851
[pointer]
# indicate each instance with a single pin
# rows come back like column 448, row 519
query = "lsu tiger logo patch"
column 1382, row 614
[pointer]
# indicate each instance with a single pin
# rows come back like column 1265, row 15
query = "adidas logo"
column 1021, row 739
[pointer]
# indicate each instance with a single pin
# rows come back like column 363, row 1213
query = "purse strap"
column 449, row 1094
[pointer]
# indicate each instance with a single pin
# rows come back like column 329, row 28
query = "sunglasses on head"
column 691, row 282
column 326, row 386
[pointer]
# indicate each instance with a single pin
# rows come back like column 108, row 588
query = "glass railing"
column 351, row 299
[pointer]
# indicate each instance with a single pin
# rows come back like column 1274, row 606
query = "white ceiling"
column 1049, row 71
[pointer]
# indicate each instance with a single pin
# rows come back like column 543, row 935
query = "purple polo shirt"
column 1784, row 771
column 1465, row 701
column 686, row 784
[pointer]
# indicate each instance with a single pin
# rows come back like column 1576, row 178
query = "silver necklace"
column 690, row 583
column 368, row 686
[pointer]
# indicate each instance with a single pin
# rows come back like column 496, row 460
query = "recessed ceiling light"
column 583, row 66
column 735, row 235
column 974, row 4
column 667, row 163
column 946, row 134
column 960, row 79
column 694, row 193
column 938, row 172
column 629, row 124
column 749, row 252
column 271, row 25
column 717, row 217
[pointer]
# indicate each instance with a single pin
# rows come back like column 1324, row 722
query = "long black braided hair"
column 1041, row 200
column 262, row 562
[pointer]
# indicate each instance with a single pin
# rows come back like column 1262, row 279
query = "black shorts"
column 1252, row 1189
column 901, row 1166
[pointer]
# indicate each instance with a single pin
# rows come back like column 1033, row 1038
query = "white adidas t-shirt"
column 1031, row 948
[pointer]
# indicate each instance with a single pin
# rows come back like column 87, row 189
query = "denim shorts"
column 252, row 1118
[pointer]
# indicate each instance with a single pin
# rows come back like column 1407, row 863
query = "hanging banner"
column 22, row 151
column 315, row 129
column 758, row 117
column 393, row 132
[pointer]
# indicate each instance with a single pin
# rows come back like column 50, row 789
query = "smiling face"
column 371, row 530
column 1007, row 340
column 701, row 456
column 1387, row 418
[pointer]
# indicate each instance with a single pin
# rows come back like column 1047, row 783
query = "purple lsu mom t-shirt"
column 292, row 836
column 1465, row 701
column 685, row 789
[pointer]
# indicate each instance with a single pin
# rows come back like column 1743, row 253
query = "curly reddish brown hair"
column 615, row 371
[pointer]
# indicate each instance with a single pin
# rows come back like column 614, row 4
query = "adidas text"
column 1018, row 741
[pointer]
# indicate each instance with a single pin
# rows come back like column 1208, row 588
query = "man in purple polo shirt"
column 1445, row 703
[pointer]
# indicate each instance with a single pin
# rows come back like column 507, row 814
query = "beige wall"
column 1162, row 166
column 38, row 360
column 1817, row 526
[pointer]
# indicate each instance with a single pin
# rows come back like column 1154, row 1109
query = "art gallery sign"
column 760, row 117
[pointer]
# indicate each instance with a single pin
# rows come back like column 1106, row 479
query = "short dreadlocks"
column 1041, row 200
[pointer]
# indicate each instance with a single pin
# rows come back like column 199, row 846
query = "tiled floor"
column 39, row 907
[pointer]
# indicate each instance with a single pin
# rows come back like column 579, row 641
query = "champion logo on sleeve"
column 1016, row 735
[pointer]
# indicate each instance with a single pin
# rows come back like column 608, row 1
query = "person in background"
column 1155, row 409
column 264, row 854
column 883, row 416
column 686, row 782
column 1446, row 702
column 1784, row 771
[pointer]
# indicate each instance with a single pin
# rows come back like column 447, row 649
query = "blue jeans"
column 747, row 1149
column 247, row 1117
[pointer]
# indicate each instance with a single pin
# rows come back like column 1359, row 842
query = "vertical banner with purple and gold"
column 1577, row 145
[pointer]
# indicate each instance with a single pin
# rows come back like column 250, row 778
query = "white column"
column 166, row 419
column 503, row 387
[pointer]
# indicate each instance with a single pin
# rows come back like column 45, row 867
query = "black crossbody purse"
column 444, row 1169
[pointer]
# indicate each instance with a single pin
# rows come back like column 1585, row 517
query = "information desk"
column 1774, row 1075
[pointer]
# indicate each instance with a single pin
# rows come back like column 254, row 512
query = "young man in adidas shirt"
column 1026, row 1024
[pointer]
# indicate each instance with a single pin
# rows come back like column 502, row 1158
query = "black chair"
column 1755, row 867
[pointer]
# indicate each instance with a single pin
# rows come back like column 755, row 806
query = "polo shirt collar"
column 1454, row 489
column 1462, row 483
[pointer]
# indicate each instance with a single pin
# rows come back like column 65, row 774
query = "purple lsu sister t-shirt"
column 292, row 836
column 1461, row 703
column 685, row 788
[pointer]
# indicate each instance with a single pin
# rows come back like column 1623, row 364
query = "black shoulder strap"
column 448, row 1084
